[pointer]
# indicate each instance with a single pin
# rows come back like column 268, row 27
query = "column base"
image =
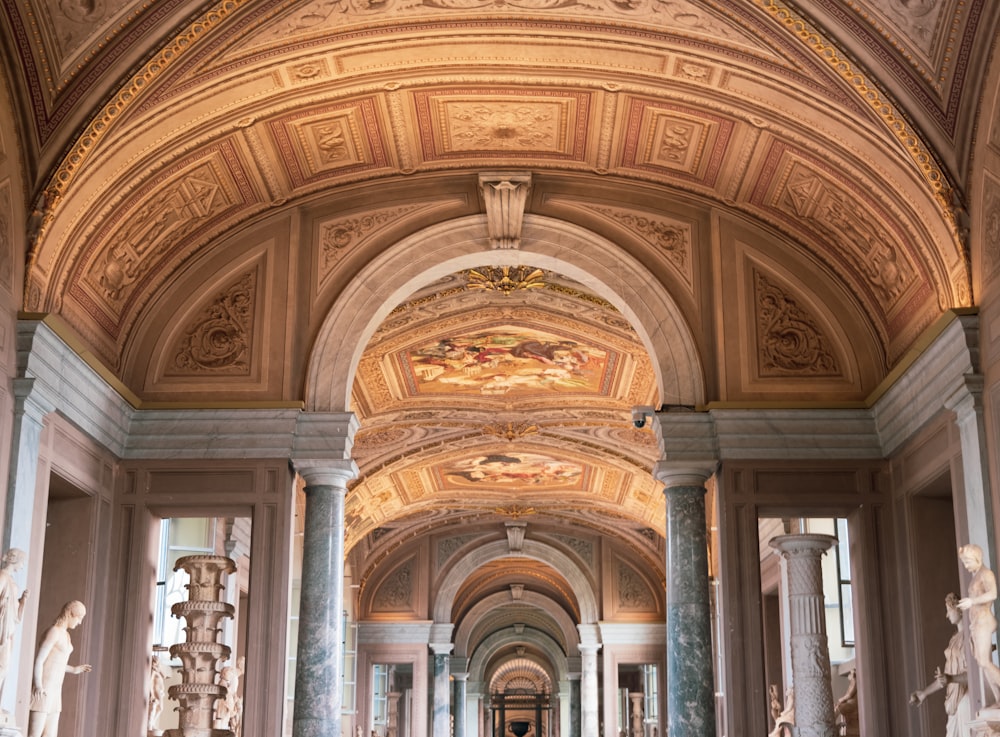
column 7, row 726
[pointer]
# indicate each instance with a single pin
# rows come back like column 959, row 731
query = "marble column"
column 814, row 716
column 690, row 678
column 319, row 666
column 441, row 719
column 589, row 725
column 19, row 521
column 573, row 723
column 461, row 710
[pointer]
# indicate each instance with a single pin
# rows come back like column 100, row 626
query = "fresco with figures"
column 511, row 470
column 508, row 361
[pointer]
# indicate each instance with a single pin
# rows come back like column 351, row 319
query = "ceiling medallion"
column 505, row 279
column 510, row 430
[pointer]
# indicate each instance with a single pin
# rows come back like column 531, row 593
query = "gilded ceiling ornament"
column 514, row 511
column 505, row 279
column 219, row 340
column 510, row 430
column 788, row 338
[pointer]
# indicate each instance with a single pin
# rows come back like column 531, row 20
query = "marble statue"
column 953, row 677
column 51, row 667
column 846, row 708
column 982, row 623
column 785, row 721
column 775, row 701
column 229, row 711
column 157, row 692
column 11, row 608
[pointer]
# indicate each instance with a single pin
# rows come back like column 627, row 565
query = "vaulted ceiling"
column 213, row 181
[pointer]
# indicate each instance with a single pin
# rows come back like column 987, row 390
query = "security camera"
column 640, row 415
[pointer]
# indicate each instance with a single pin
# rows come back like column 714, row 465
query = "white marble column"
column 589, row 723
column 319, row 665
column 967, row 404
column 20, row 510
column 461, row 710
column 814, row 716
column 441, row 716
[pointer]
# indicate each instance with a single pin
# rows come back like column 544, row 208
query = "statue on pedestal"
column 51, row 667
column 11, row 611
column 157, row 692
column 982, row 623
column 952, row 678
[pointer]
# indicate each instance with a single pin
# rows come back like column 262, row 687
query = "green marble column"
column 690, row 679
column 318, row 675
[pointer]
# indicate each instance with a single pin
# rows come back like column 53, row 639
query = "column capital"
column 674, row 474
column 441, row 648
column 804, row 544
column 326, row 473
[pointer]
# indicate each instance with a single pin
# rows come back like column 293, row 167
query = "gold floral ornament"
column 506, row 279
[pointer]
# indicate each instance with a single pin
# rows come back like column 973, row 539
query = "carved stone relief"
column 220, row 340
column 671, row 237
column 6, row 237
column 583, row 548
column 514, row 125
column 308, row 71
column 684, row 16
column 338, row 237
column 448, row 546
column 677, row 139
column 789, row 339
column 396, row 591
column 991, row 229
column 633, row 592
column 335, row 140
column 848, row 225
column 176, row 210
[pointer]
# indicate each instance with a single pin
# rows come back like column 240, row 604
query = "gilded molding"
column 127, row 96
column 869, row 93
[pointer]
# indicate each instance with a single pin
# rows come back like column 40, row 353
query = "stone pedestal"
column 201, row 655
column 986, row 723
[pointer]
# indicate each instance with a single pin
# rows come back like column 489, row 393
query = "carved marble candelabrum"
column 202, row 654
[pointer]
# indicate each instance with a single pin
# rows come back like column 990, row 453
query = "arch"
column 456, row 575
column 463, row 243
column 498, row 640
column 530, row 598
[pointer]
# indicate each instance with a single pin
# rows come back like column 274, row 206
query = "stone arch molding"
column 557, row 667
column 489, row 604
column 547, row 243
column 457, row 574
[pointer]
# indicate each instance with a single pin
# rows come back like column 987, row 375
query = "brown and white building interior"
column 508, row 348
